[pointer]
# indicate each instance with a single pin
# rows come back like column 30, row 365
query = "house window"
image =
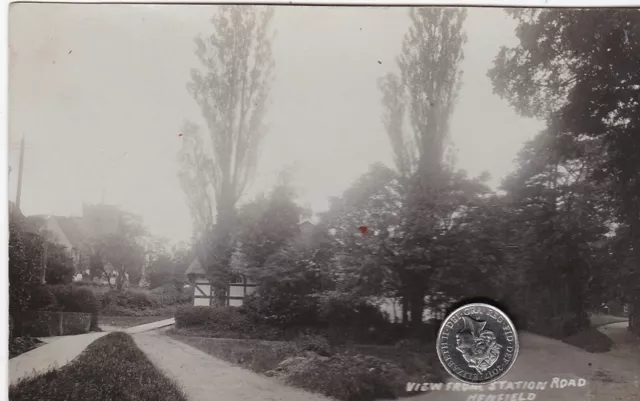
column 237, row 279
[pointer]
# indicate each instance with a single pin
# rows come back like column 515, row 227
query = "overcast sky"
column 99, row 92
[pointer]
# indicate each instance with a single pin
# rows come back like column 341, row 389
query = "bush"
column 42, row 299
column 169, row 294
column 346, row 378
column 20, row 345
column 314, row 343
column 72, row 299
column 281, row 307
column 225, row 318
column 345, row 312
column 111, row 368
column 120, row 311
column 130, row 298
column 48, row 324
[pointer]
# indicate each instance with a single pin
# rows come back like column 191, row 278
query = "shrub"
column 225, row 318
column 188, row 316
column 120, row 311
column 314, row 343
column 111, row 368
column 48, row 324
column 72, row 299
column 169, row 294
column 282, row 307
column 20, row 345
column 347, row 312
column 346, row 378
column 130, row 298
column 42, row 299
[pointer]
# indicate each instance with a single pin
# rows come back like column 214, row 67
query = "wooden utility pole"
column 20, row 168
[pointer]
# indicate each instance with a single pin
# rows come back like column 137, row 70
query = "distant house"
column 240, row 285
column 76, row 233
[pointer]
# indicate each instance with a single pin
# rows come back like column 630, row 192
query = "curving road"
column 611, row 376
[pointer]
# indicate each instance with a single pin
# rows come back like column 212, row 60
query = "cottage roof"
column 195, row 268
column 71, row 226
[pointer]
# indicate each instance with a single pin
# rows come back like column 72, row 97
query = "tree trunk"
column 120, row 278
column 634, row 304
column 405, row 310
column 634, row 314
column 417, row 308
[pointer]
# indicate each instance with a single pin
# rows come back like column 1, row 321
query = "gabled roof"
column 72, row 229
column 195, row 268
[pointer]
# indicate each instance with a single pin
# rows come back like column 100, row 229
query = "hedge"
column 48, row 324
column 226, row 318
column 55, row 298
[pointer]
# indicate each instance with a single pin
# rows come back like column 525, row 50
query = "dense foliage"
column 558, row 240
column 25, row 264
column 577, row 70
column 60, row 269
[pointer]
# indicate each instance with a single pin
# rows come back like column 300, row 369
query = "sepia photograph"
column 284, row 203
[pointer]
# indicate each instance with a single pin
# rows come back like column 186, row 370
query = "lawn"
column 130, row 321
column 111, row 368
column 355, row 372
column 590, row 340
column 257, row 355
column 598, row 320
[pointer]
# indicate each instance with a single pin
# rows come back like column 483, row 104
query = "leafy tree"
column 424, row 95
column 578, row 70
column 232, row 90
column 426, row 90
column 161, row 271
column 182, row 256
column 123, row 250
column 364, row 265
column 268, row 224
column 59, row 265
column 562, row 226
column 389, row 259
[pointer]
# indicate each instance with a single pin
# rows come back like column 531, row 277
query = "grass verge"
column 598, row 320
column 356, row 372
column 130, row 321
column 111, row 368
column 590, row 340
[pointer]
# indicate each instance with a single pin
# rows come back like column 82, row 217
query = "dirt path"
column 610, row 376
column 205, row 378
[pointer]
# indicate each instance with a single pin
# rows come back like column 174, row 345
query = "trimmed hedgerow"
column 226, row 318
column 70, row 298
column 111, row 368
